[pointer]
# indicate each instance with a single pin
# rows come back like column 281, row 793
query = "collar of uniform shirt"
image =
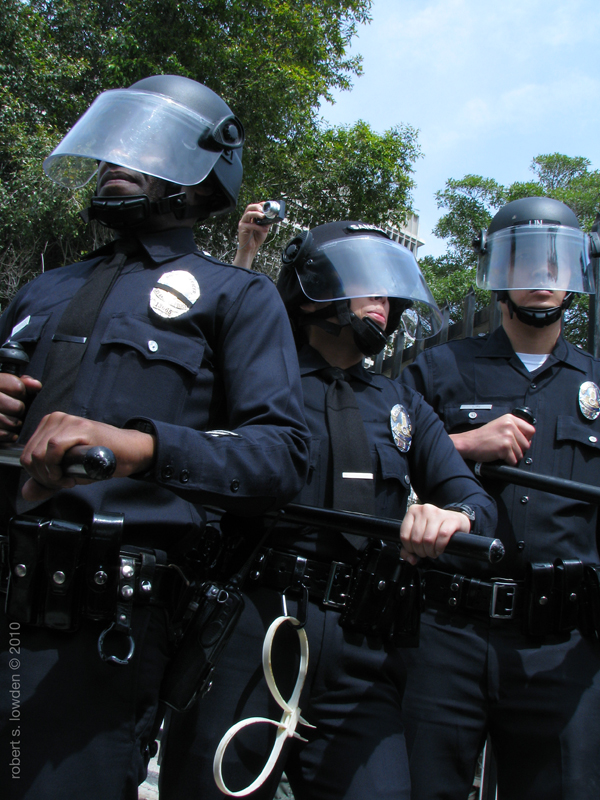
column 313, row 361
column 498, row 346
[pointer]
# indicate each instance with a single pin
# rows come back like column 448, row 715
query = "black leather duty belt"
column 499, row 599
column 379, row 596
column 327, row 583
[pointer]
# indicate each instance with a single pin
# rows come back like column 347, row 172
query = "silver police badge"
column 401, row 428
column 174, row 294
column 589, row 400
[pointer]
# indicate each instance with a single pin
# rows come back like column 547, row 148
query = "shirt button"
column 167, row 472
column 520, row 546
column 534, row 385
column 234, row 485
column 529, row 460
column 593, row 439
column 152, row 346
column 184, row 476
column 524, row 499
column 472, row 415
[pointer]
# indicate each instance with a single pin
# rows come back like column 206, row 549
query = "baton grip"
column 96, row 463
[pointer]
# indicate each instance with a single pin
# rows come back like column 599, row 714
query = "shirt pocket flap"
column 392, row 463
column 571, row 429
column 31, row 331
column 155, row 344
column 464, row 416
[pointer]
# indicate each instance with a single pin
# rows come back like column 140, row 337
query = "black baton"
column 468, row 545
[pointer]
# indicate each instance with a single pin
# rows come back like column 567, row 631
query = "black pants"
column 72, row 725
column 352, row 695
column 540, row 702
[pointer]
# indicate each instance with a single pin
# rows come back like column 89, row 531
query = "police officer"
column 345, row 285
column 186, row 368
column 500, row 649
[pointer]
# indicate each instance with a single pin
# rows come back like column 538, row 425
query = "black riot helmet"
column 167, row 126
column 335, row 262
column 535, row 243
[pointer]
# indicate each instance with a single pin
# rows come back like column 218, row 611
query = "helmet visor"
column 365, row 266
column 537, row 257
column 141, row 131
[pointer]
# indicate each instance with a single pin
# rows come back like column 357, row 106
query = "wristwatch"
column 465, row 509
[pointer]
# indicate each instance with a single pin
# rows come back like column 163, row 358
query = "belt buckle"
column 338, row 584
column 509, row 598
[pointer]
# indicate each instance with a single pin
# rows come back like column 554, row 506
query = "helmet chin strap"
column 130, row 211
column 536, row 317
column 368, row 336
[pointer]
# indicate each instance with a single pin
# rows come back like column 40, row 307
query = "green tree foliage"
column 273, row 61
column 472, row 201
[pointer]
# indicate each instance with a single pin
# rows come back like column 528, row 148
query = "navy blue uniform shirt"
column 219, row 386
column 534, row 526
column 432, row 464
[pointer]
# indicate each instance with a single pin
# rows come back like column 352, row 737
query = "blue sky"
column 488, row 84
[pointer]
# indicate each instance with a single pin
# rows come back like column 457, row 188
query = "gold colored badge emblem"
column 174, row 294
column 589, row 400
column 401, row 428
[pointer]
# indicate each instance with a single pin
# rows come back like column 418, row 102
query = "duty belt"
column 553, row 598
column 380, row 595
column 56, row 573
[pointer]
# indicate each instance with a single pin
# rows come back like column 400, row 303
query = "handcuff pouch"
column 213, row 613
column 538, row 615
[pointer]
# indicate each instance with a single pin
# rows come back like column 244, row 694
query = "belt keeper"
column 568, row 575
column 298, row 574
column 539, row 591
column 146, row 577
column 455, row 591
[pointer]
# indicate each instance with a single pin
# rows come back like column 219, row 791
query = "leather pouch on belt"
column 568, row 586
column 384, row 599
column 63, row 567
column 26, row 537
column 591, row 605
column 102, row 566
column 539, row 590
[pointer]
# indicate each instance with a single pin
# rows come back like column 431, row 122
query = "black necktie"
column 353, row 483
column 68, row 347
column 69, row 342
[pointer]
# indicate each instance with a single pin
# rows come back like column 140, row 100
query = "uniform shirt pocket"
column 577, row 445
column 147, row 371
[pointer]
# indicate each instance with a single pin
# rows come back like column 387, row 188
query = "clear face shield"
column 552, row 257
column 365, row 266
column 143, row 132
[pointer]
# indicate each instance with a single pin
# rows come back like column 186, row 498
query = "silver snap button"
column 529, row 460
column 20, row 570
column 524, row 499
column 127, row 570
column 145, row 586
column 59, row 577
column 127, row 591
column 152, row 346
column 100, row 577
column 593, row 439
column 472, row 415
